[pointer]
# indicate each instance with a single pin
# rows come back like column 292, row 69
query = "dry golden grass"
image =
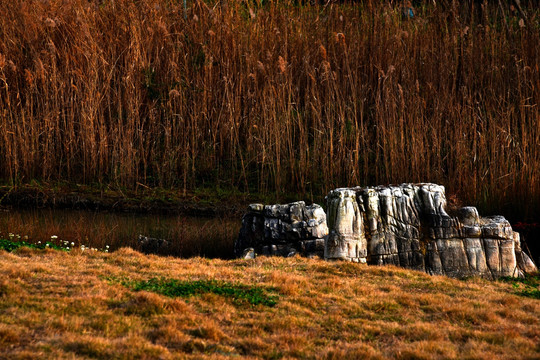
column 60, row 305
column 273, row 97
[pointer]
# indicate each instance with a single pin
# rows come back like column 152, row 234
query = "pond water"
column 188, row 236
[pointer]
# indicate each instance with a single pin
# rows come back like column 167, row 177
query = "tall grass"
column 272, row 98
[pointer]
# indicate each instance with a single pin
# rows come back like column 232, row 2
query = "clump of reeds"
column 273, row 96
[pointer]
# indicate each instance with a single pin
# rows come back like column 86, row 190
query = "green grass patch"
column 529, row 286
column 12, row 242
column 254, row 295
column 12, row 245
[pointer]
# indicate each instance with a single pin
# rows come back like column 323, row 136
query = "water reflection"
column 188, row 236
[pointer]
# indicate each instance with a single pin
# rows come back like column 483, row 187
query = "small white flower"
column 25, row 237
column 54, row 237
column 72, row 243
column 18, row 236
column 67, row 248
column 46, row 245
column 39, row 242
column 107, row 246
column 106, row 251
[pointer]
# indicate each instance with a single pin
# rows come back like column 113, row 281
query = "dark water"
column 188, row 236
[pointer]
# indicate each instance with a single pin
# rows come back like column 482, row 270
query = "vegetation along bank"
column 274, row 97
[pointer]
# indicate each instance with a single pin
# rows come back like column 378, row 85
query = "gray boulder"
column 150, row 245
column 248, row 253
column 283, row 230
column 408, row 225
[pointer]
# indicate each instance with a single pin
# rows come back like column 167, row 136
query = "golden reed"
column 278, row 97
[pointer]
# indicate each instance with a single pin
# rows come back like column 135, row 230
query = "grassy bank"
column 272, row 98
column 124, row 305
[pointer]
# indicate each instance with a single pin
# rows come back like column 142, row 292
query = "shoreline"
column 144, row 201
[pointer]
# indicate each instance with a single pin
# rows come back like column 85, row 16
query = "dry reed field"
column 71, row 305
column 274, row 96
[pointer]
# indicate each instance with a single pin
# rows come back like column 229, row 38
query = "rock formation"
column 408, row 226
column 150, row 245
column 283, row 230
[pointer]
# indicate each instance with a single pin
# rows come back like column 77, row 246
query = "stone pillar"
column 346, row 240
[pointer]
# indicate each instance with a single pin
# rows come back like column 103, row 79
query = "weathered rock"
column 248, row 253
column 408, row 226
column 151, row 245
column 524, row 262
column 346, row 238
column 283, row 230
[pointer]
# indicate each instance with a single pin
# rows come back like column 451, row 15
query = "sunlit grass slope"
column 66, row 305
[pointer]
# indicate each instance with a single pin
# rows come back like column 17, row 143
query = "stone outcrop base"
column 406, row 225
column 283, row 230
